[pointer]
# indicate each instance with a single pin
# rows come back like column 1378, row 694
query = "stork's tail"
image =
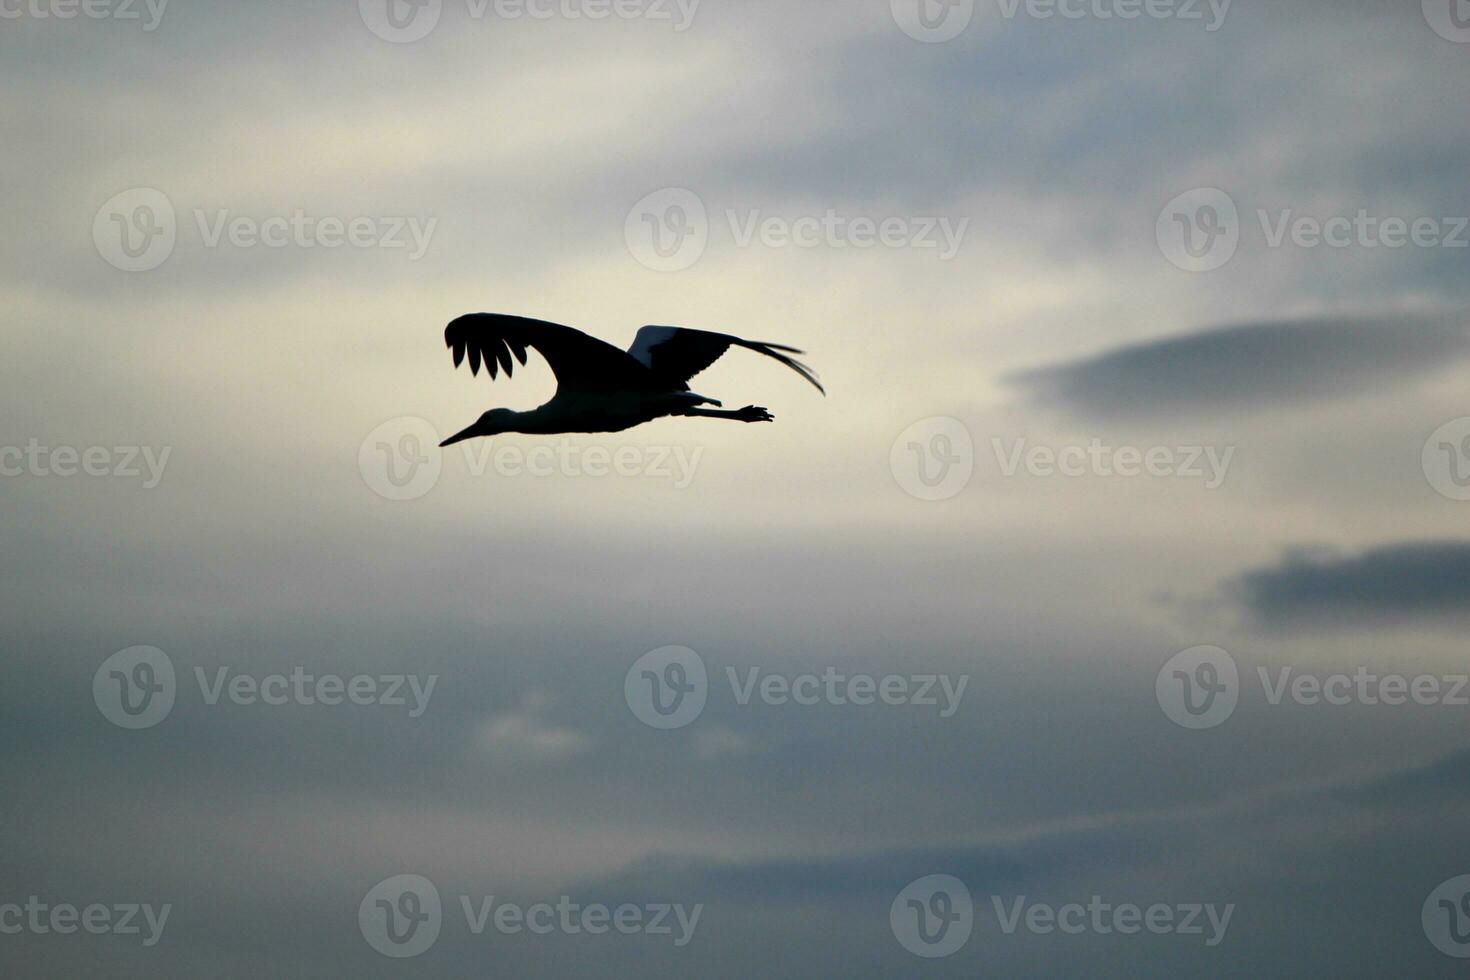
column 780, row 352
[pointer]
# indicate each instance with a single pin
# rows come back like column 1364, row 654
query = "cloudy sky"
column 1147, row 357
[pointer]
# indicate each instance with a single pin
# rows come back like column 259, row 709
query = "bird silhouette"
column 600, row 388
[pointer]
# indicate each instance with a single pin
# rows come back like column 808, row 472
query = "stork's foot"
column 751, row 413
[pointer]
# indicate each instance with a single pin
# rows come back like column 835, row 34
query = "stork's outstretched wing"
column 676, row 354
column 577, row 360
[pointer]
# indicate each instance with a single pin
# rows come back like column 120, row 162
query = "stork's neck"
column 546, row 420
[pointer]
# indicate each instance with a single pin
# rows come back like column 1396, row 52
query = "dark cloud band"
column 1239, row 368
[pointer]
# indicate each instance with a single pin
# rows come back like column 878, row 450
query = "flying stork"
column 598, row 387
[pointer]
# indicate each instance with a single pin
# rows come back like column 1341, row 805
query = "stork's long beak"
column 469, row 433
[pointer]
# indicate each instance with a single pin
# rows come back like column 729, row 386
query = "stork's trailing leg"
column 750, row 413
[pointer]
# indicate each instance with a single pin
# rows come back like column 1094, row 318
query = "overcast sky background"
column 796, row 546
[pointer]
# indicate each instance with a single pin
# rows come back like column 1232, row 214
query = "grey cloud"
column 1252, row 366
column 1399, row 582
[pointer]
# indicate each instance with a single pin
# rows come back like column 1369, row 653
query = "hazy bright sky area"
column 1144, row 330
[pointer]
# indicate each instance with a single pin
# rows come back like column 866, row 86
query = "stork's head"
column 492, row 423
